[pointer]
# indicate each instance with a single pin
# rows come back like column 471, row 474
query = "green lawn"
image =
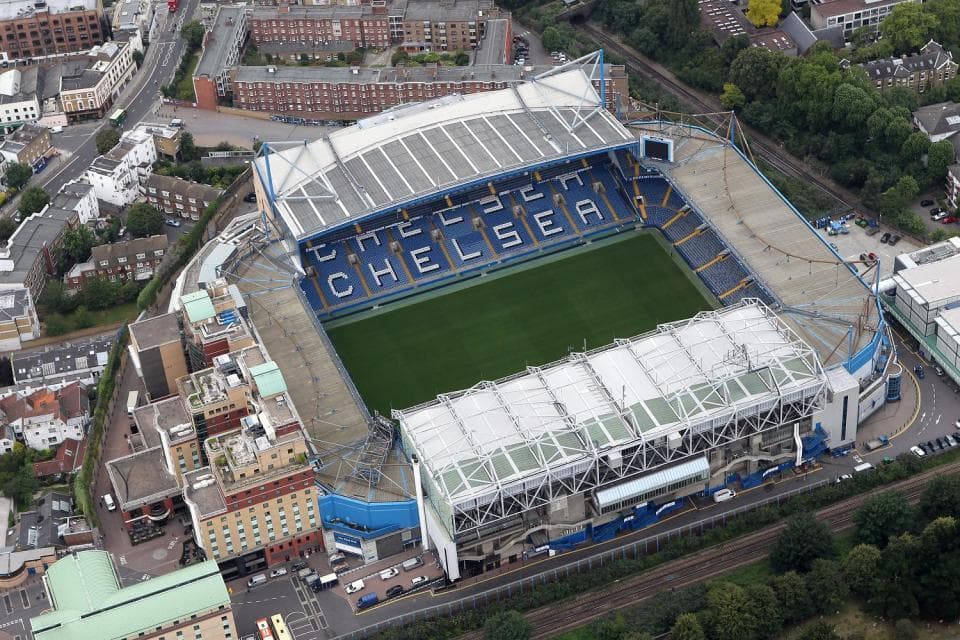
column 490, row 330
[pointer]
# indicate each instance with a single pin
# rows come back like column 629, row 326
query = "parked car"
column 395, row 590
column 250, row 197
column 940, row 215
column 938, row 371
column 299, row 564
column 172, row 222
column 939, row 443
column 392, row 572
column 276, row 573
column 930, row 446
column 950, row 440
column 885, row 237
column 918, row 370
column 936, row 210
column 949, row 220
column 419, row 580
column 353, row 587
column 894, row 240
column 845, row 476
column 926, row 203
column 917, row 451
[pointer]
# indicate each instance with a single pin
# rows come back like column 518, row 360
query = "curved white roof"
column 426, row 148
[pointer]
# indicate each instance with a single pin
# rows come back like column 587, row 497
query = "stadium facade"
column 613, row 439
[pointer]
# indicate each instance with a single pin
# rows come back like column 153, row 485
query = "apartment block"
column 136, row 260
column 363, row 26
column 851, row 14
column 221, row 52
column 931, row 67
column 214, row 324
column 90, row 84
column 27, row 145
column 116, row 175
column 156, row 350
column 18, row 319
column 350, row 93
column 135, row 18
column 29, row 29
column 445, row 25
column 60, row 364
column 20, row 96
column 953, row 185
column 178, row 197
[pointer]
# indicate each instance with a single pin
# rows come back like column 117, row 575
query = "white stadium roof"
column 685, row 375
column 422, row 149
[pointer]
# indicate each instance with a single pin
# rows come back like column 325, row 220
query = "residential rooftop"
column 168, row 417
column 368, row 75
column 219, row 41
column 14, row 303
column 73, row 356
column 201, row 489
column 10, row 9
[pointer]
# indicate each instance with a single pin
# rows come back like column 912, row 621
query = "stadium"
column 514, row 324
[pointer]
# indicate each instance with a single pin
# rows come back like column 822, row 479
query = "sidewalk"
column 893, row 418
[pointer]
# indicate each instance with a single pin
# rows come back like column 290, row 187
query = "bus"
column 263, row 630
column 118, row 117
column 279, row 628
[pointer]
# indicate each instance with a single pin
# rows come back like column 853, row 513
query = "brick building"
column 214, row 324
column 46, row 418
column 177, row 196
column 30, row 29
column 345, row 93
column 222, row 46
column 27, row 145
column 918, row 72
column 90, row 84
column 363, row 26
column 135, row 259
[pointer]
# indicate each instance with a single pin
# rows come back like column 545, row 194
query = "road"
column 139, row 99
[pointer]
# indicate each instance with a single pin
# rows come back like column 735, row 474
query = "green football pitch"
column 496, row 327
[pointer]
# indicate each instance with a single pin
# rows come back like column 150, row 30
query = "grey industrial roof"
column 59, row 359
column 368, row 75
column 794, row 25
column 169, row 416
column 218, row 42
column 141, row 478
column 445, row 10
column 33, row 234
column 422, row 149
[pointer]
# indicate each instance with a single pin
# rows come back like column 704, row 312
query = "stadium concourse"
column 613, row 439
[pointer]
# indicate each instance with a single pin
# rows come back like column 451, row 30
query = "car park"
column 416, row 582
column 939, row 443
column 926, row 203
column 395, row 590
column 392, row 572
column 276, row 573
column 917, row 451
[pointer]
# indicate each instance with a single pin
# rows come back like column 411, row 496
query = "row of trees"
column 219, row 177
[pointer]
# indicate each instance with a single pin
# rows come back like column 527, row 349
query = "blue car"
column 919, row 371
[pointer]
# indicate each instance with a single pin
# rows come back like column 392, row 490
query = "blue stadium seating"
column 653, row 190
column 724, row 275
column 683, row 226
column 310, row 291
column 584, row 205
column 701, row 249
column 338, row 279
column 506, row 233
column 423, row 256
column 464, row 243
column 381, row 268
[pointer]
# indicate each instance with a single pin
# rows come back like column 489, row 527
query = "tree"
column 768, row 610
column 461, row 59
column 144, row 220
column 914, row 147
column 7, row 227
column 55, row 299
column 763, row 13
column 683, row 18
column 77, row 244
column 908, row 27
column 897, row 582
column 826, row 586
column 895, row 199
column 883, row 516
column 860, row 569
column 755, row 71
column 937, row 566
column 730, row 613
column 732, row 47
column 852, row 106
column 188, row 150
column 687, row 627
column 138, row 58
column 803, row 541
column 17, row 175
column 941, row 497
column 193, row 33
column 99, row 293
column 818, row 630
column 107, row 139
column 553, row 39
column 732, row 97
column 32, row 200
column 939, row 158
column 506, row 625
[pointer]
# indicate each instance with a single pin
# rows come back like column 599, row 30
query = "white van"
column 56, row 129
column 177, row 123
column 108, row 502
column 860, row 468
column 355, row 586
column 411, row 564
column 260, row 578
column 724, row 494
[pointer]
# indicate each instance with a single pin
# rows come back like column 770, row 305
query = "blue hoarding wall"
column 361, row 515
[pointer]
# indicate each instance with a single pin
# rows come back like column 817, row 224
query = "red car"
column 950, row 220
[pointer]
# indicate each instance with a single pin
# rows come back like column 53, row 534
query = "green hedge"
column 83, row 482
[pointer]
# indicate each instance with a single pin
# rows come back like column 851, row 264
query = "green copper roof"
column 89, row 603
column 198, row 306
column 268, row 379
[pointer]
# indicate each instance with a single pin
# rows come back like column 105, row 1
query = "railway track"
column 763, row 147
column 551, row 620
